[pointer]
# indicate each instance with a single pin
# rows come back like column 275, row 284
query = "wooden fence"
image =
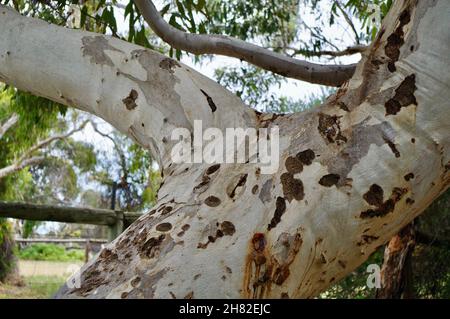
column 116, row 220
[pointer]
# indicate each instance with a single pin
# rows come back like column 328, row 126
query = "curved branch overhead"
column 332, row 75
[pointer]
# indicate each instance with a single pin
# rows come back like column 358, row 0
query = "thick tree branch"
column 8, row 124
column 142, row 93
column 332, row 75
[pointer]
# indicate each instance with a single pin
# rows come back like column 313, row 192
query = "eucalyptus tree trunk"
column 352, row 172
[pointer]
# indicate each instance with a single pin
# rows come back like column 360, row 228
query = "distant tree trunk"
column 352, row 173
column 396, row 272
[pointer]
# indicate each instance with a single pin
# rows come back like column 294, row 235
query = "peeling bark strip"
column 264, row 263
column 210, row 101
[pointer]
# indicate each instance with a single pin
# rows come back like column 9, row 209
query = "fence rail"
column 116, row 220
column 60, row 240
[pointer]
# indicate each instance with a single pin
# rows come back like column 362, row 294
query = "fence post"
column 117, row 228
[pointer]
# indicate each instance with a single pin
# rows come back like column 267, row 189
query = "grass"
column 50, row 252
column 35, row 287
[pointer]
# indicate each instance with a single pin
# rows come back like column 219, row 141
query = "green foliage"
column 430, row 262
column 50, row 252
column 354, row 286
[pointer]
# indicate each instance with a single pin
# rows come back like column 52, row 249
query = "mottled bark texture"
column 353, row 172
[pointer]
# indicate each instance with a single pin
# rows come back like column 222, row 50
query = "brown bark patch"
column 255, row 189
column 150, row 247
column 404, row 96
column 130, row 100
column 169, row 64
column 396, row 40
column 279, row 211
column 293, row 165
column 235, row 188
column 292, row 187
column 212, row 169
column 164, row 227
column 385, row 207
column 306, row 156
column 330, row 129
column 374, row 195
column 329, row 180
column 212, row 201
column 226, row 228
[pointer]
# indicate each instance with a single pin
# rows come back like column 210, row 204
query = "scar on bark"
column 210, row 101
column 374, row 197
column 169, row 64
column 279, row 211
column 329, row 127
column 150, row 247
column 130, row 100
column 164, row 227
column 235, row 187
column 395, row 40
column 212, row 201
column 392, row 147
column 212, row 169
column 404, row 96
column 226, row 228
column 329, row 180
